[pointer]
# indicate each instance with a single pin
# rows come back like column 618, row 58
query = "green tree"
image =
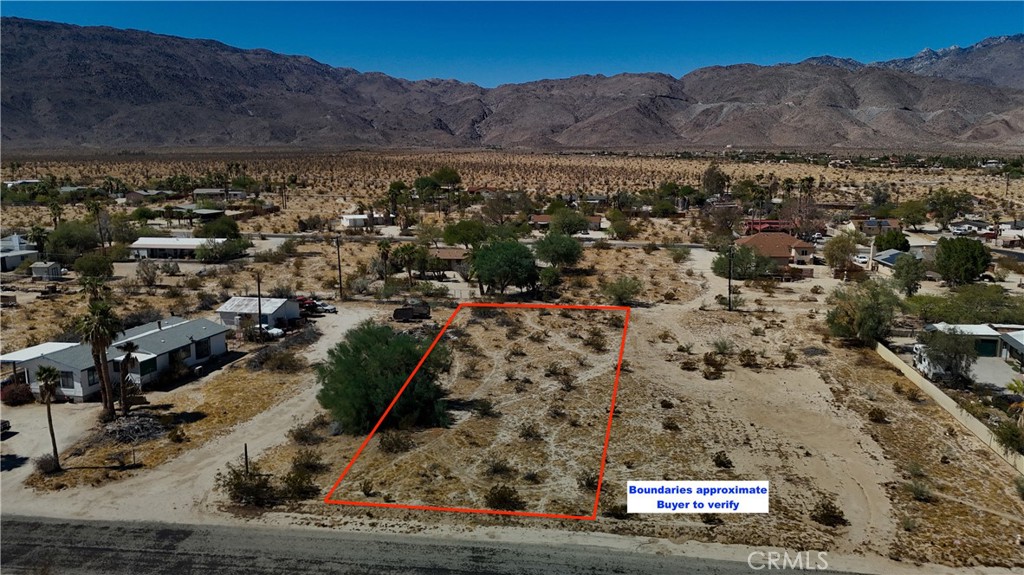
column 567, row 222
column 912, row 213
column 222, row 227
column 366, row 370
column 428, row 235
column 892, row 240
column 714, row 181
column 148, row 271
column 469, row 233
column 94, row 265
column 384, row 253
column 961, row 260
column 623, row 290
column 746, row 264
column 446, row 176
column 864, row 312
column 71, row 239
column 98, row 327
column 396, row 191
column 953, row 351
column 839, row 249
column 907, row 273
column 406, row 255
column 559, row 250
column 948, row 204
column 37, row 236
column 503, row 263
column 48, row 377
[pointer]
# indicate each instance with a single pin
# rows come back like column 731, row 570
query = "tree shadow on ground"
column 10, row 461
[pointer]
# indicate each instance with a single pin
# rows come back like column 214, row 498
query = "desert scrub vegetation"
column 828, row 513
column 396, row 441
column 504, row 498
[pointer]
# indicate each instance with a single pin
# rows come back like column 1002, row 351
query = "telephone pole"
column 259, row 306
column 337, row 246
column 732, row 251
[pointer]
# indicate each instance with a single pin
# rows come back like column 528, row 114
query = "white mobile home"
column 276, row 312
column 169, row 248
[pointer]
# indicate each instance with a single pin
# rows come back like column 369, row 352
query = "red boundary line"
column 607, row 434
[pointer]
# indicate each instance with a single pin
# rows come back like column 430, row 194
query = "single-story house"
column 276, row 312
column 143, row 196
column 204, row 214
column 46, row 271
column 874, row 227
column 364, row 221
column 594, row 223
column 1013, row 345
column 162, row 344
column 219, row 194
column 454, row 259
column 886, row 259
column 751, row 227
column 15, row 359
column 783, row 249
column 986, row 339
column 169, row 248
column 540, row 220
column 485, row 192
column 13, row 251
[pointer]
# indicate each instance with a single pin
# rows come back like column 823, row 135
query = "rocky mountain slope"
column 78, row 88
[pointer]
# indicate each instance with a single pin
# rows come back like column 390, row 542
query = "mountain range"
column 72, row 88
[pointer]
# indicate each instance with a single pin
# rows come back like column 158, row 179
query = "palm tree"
column 96, row 288
column 37, row 235
column 128, row 362
column 56, row 211
column 48, row 376
column 98, row 327
column 405, row 255
column 384, row 251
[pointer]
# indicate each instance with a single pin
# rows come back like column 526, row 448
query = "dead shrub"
column 308, row 461
column 530, row 432
column 499, row 467
column 396, row 442
column 722, row 460
column 46, row 464
column 504, row 498
column 828, row 513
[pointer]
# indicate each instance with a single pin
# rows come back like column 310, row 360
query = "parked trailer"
column 403, row 314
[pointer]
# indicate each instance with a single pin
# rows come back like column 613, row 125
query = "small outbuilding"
column 276, row 312
column 45, row 271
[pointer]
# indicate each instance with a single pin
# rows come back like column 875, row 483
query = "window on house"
column 182, row 353
column 147, row 367
column 90, row 377
column 203, row 348
column 67, row 380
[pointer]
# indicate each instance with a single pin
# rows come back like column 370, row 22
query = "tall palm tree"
column 96, row 288
column 128, row 362
column 98, row 327
column 37, row 235
column 56, row 211
column 384, row 251
column 48, row 376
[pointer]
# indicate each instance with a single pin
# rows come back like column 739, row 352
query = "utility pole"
column 732, row 251
column 337, row 246
column 259, row 306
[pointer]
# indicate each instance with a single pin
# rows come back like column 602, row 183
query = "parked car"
column 860, row 260
column 325, row 307
column 273, row 332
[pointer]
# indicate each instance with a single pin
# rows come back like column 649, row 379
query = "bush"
column 305, row 434
column 1019, row 484
column 722, row 460
column 617, row 511
column 711, row 519
column 94, row 265
column 308, row 461
column 920, row 492
column 15, row 394
column 299, row 485
column 878, row 415
column 282, row 360
column 602, row 245
column 504, row 498
column 748, row 358
column 1010, row 437
column 252, row 488
column 46, row 464
column 828, row 513
column 596, row 340
column 670, row 424
column 679, row 255
column 723, row 346
column 530, row 432
column 396, row 441
column 533, row 477
column 499, row 467
column 650, row 247
column 587, row 481
column 485, row 408
column 623, row 290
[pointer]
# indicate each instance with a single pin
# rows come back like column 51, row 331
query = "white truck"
column 925, row 366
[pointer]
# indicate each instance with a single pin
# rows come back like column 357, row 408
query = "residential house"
column 355, row 221
column 987, row 340
column 162, row 345
column 218, row 194
column 13, row 251
column 453, row 259
column 276, row 312
column 540, row 221
column 1013, row 346
column 46, row 271
column 137, row 197
column 594, row 223
column 783, row 249
column 886, row 259
column 169, row 248
column 751, row 227
column 874, row 226
column 203, row 214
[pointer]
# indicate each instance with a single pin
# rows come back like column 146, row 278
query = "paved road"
column 32, row 545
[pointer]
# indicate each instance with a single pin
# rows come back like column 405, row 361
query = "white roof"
column 34, row 351
column 249, row 305
column 38, row 265
column 966, row 329
column 355, row 217
column 172, row 243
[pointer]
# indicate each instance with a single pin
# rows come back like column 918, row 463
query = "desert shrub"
column 247, row 488
column 396, row 441
column 748, row 358
column 587, row 481
column 533, row 477
column 711, row 372
column 485, row 408
column 912, row 394
column 617, row 511
column 920, row 492
column 650, row 247
column 596, row 340
column 670, row 424
column 914, row 469
column 723, row 346
column 46, row 464
column 623, row 290
column 276, row 359
column 1010, row 437
column 722, row 460
column 878, row 415
column 679, row 255
column 206, row 300
column 308, row 461
column 499, row 467
column 714, row 360
column 173, row 292
column 530, row 432
column 298, row 485
column 757, row 331
column 689, row 364
column 367, row 488
column 305, row 434
column 828, row 513
column 711, row 519
column 556, row 412
column 685, row 348
column 567, row 382
column 177, row 435
column 504, row 498
column 789, row 358
column 667, row 404
column 1019, row 484
column 602, row 245
column 15, row 394
column 616, row 321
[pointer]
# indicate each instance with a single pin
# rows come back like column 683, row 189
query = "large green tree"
column 961, row 260
column 953, row 351
column 912, row 213
column 559, row 250
column 567, row 222
column 714, row 181
column 365, row 371
column 94, row 265
column 503, row 263
column 222, row 227
column 839, row 249
column 892, row 240
column 746, row 264
column 947, row 205
column 469, row 233
column 864, row 312
column 907, row 273
column 71, row 239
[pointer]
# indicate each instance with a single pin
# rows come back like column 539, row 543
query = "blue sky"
column 491, row 43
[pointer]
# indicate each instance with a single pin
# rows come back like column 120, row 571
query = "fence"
column 945, row 402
